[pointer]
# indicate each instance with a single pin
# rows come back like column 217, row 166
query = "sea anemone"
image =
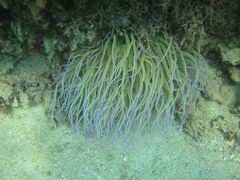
column 125, row 84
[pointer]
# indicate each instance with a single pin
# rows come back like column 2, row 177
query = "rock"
column 6, row 64
column 6, row 91
column 33, row 64
column 231, row 56
column 234, row 73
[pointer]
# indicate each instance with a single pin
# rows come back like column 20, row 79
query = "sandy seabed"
column 33, row 148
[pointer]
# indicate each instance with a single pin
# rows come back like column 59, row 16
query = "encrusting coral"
column 125, row 84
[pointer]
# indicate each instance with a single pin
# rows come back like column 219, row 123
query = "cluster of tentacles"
column 126, row 84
